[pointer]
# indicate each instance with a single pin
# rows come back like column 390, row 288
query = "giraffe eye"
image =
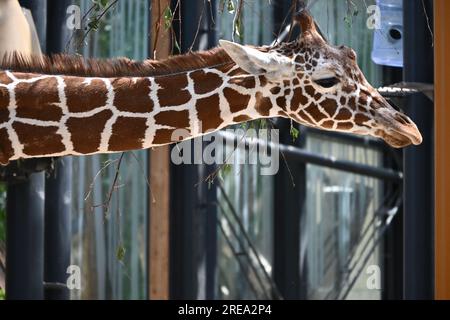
column 327, row 82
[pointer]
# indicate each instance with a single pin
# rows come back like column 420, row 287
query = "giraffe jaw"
column 399, row 136
column 399, row 140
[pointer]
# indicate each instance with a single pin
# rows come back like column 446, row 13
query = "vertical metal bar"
column 442, row 152
column 289, row 267
column 392, row 244
column 25, row 214
column 418, row 161
column 24, row 238
column 58, row 188
column 58, row 193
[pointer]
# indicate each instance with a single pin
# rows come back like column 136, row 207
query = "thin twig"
column 106, row 204
column 237, row 17
column 428, row 22
column 198, row 27
column 98, row 18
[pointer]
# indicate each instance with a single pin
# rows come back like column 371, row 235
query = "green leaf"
column 294, row 133
column 120, row 254
column 238, row 29
column 93, row 25
column 100, row 3
column 177, row 46
column 230, row 7
column 168, row 17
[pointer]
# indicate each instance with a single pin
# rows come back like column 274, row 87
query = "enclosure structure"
column 344, row 217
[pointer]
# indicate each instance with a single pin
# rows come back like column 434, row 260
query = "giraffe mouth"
column 399, row 131
column 399, row 140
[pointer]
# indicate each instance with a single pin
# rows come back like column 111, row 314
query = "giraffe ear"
column 257, row 62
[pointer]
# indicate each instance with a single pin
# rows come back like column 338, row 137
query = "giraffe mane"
column 76, row 65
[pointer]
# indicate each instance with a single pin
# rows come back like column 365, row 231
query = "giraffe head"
column 320, row 85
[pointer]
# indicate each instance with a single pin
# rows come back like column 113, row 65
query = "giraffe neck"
column 56, row 115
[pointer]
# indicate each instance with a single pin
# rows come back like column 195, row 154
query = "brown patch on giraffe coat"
column 300, row 59
column 127, row 134
column 205, row 82
column 6, row 150
column 4, row 103
column 362, row 100
column 361, row 118
column 310, row 91
column 275, row 90
column 173, row 90
column 4, row 79
column 82, row 97
column 282, row 114
column 241, row 118
column 164, row 136
column 305, row 117
column 352, row 103
column 236, row 72
column 171, row 118
column 330, row 106
column 327, row 124
column 345, row 125
column 343, row 101
column 298, row 99
column 247, row 82
column 349, row 88
column 281, row 102
column 262, row 81
column 25, row 76
column 38, row 140
column 343, row 114
column 36, row 100
column 132, row 95
column 237, row 101
column 208, row 113
column 263, row 104
column 314, row 112
column 86, row 132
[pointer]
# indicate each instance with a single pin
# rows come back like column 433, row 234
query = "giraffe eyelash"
column 327, row 82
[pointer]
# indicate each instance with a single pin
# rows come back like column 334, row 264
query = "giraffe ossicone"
column 62, row 105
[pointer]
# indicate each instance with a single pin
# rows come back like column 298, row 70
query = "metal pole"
column 290, row 265
column 58, row 186
column 24, row 238
column 58, row 193
column 418, row 161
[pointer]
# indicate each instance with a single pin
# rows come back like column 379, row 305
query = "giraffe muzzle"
column 397, row 129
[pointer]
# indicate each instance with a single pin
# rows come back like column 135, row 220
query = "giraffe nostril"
column 403, row 119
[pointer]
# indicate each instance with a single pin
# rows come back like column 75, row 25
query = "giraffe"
column 64, row 105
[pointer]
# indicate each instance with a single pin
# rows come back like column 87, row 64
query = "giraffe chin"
column 401, row 139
